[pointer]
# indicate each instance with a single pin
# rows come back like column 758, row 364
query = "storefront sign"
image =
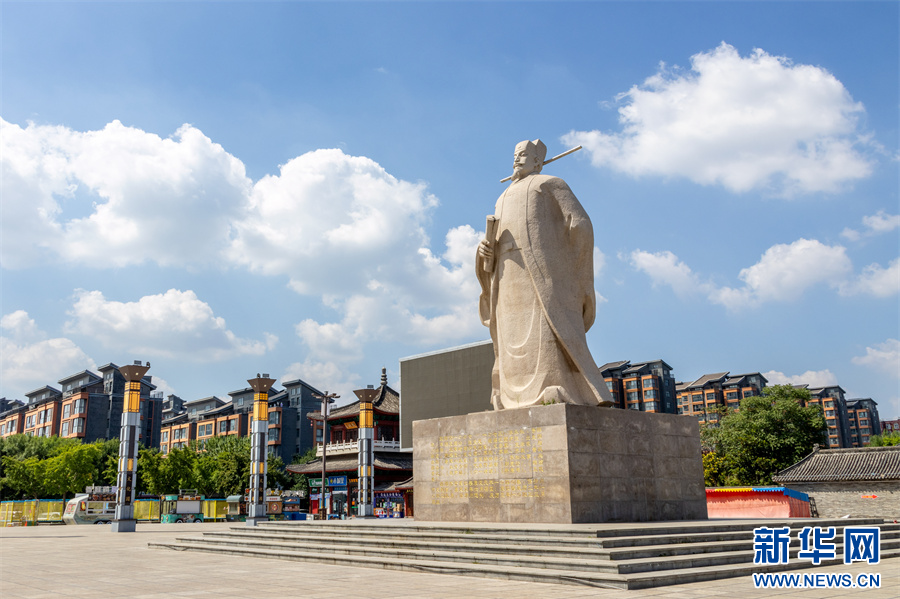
column 333, row 481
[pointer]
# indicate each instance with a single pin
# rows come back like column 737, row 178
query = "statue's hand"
column 485, row 250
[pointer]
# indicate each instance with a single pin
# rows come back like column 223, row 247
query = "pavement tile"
column 89, row 560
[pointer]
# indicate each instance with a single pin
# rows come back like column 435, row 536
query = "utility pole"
column 327, row 398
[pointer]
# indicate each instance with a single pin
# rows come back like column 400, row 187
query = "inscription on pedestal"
column 488, row 465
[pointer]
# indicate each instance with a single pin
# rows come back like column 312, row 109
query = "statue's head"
column 529, row 158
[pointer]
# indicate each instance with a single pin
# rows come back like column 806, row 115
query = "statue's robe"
column 539, row 298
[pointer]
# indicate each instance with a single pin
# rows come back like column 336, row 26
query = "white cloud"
column 28, row 359
column 336, row 226
column 785, row 271
column 172, row 324
column 599, row 262
column 116, row 196
column 326, row 377
column 782, row 274
column 162, row 385
column 813, row 378
column 875, row 280
column 664, row 268
column 743, row 123
column 883, row 356
column 876, row 224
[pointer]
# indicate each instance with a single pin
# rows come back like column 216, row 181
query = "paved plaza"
column 91, row 561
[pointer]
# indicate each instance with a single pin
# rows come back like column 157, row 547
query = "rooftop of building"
column 78, row 375
column 344, row 463
column 384, row 399
column 844, row 465
column 707, row 379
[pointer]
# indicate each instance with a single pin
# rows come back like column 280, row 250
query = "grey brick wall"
column 835, row 500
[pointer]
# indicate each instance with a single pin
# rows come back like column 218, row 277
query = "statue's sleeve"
column 484, row 300
column 580, row 234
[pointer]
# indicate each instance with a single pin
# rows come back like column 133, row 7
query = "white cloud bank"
column 116, row 196
column 174, row 324
column 876, row 224
column 783, row 273
column 755, row 122
column 27, row 355
column 335, row 226
column 813, row 378
column 883, row 356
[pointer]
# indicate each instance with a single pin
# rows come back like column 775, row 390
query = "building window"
column 273, row 434
column 649, row 393
column 274, row 417
column 65, row 429
column 732, row 395
column 78, row 425
column 79, row 406
column 223, row 426
column 650, row 406
column 633, row 396
column 631, row 384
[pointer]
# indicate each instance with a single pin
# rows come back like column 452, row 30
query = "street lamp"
column 259, row 428
column 128, row 446
column 327, row 398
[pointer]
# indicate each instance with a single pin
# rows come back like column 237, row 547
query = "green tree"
column 23, row 478
column 768, row 433
column 885, row 440
column 71, row 471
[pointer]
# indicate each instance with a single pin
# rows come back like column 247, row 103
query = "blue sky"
column 297, row 187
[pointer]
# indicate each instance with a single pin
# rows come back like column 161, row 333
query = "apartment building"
column 703, row 397
column 645, row 386
column 834, row 406
column 862, row 420
column 87, row 406
column 12, row 417
column 202, row 419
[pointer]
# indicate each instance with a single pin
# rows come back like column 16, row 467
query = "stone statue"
column 535, row 267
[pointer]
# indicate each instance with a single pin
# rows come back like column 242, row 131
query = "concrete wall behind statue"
column 450, row 382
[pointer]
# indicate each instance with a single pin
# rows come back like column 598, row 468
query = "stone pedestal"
column 558, row 464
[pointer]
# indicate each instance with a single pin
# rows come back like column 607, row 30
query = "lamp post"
column 327, row 398
column 259, row 428
column 365, row 497
column 128, row 446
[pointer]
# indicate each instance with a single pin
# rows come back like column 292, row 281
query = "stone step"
column 605, row 537
column 515, row 572
column 578, row 530
column 476, row 544
column 594, row 579
column 693, row 557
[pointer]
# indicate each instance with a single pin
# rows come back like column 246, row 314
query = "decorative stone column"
column 259, row 429
column 128, row 447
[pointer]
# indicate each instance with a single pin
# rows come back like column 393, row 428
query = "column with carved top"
column 128, row 446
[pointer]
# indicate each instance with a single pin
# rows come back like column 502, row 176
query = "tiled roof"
column 387, row 401
column 343, row 463
column 844, row 465
column 708, row 378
